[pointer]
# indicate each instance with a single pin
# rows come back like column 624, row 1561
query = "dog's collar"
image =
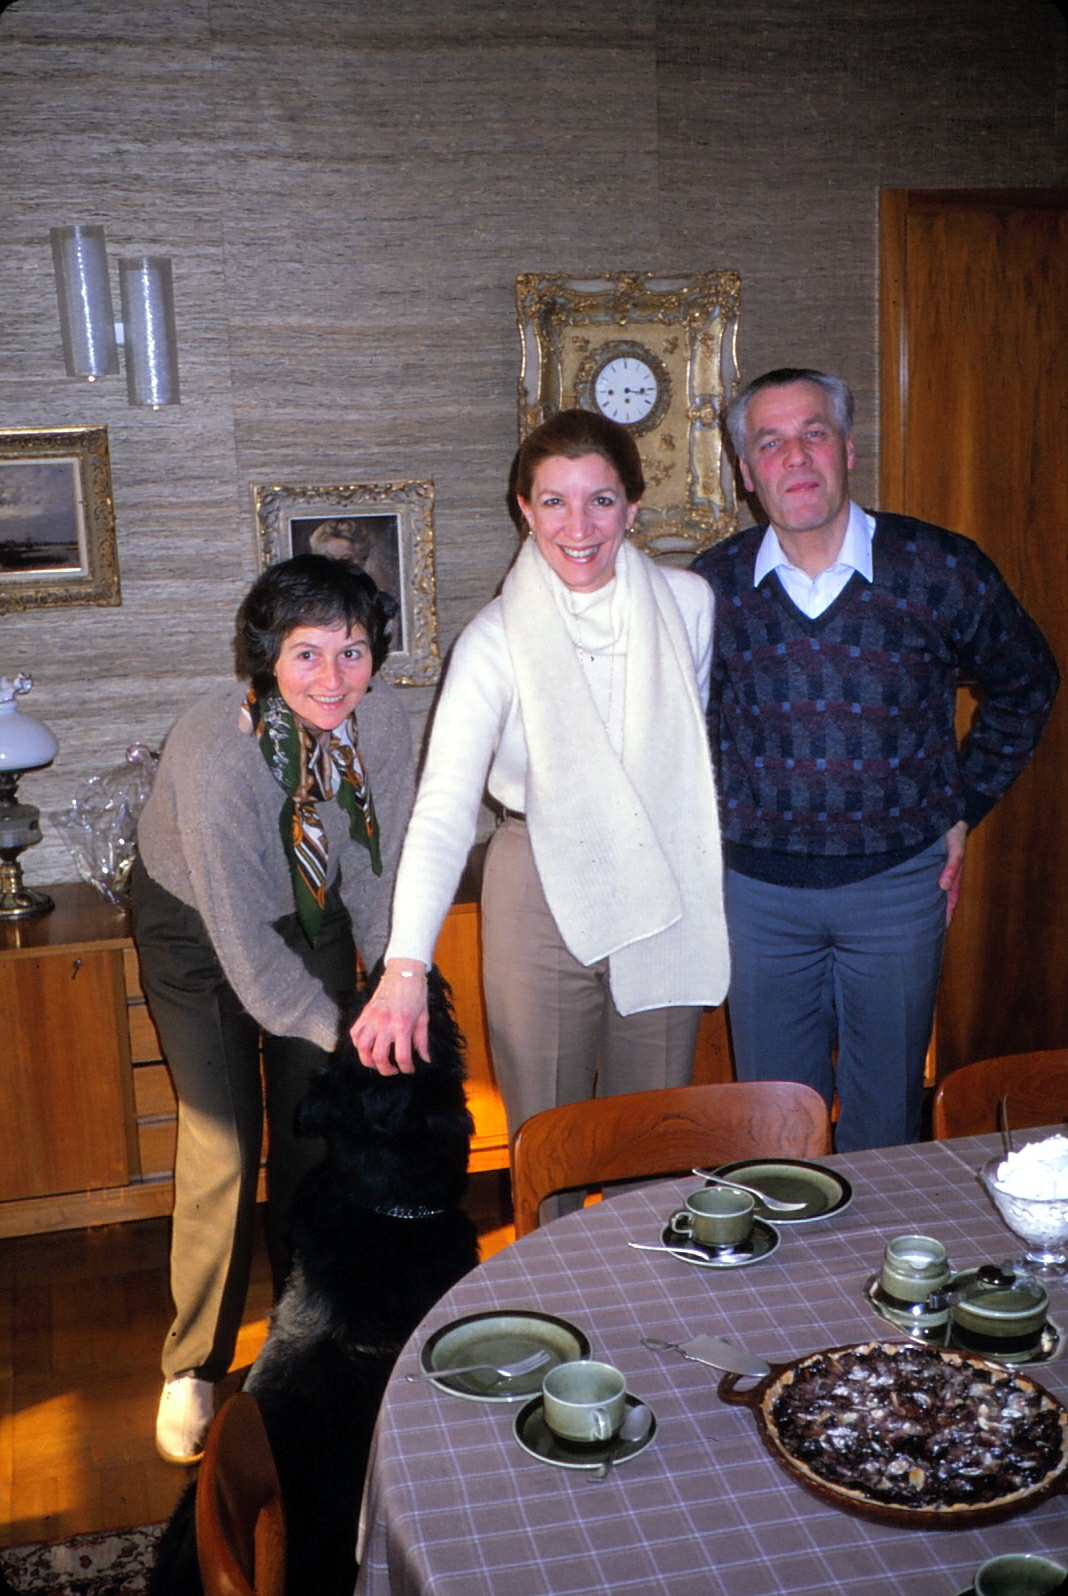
column 409, row 1213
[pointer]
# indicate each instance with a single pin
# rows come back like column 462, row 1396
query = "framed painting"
column 57, row 519
column 388, row 529
column 656, row 354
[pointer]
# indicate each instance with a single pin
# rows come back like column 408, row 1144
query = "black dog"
column 378, row 1237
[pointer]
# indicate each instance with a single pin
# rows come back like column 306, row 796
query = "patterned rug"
column 115, row 1564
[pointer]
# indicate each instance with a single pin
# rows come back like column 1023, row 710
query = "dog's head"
column 396, row 1141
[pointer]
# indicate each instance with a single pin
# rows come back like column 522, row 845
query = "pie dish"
column 912, row 1435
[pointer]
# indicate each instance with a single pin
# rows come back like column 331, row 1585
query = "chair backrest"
column 241, row 1532
column 1036, row 1084
column 660, row 1133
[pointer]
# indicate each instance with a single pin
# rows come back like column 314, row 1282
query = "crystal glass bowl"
column 1041, row 1223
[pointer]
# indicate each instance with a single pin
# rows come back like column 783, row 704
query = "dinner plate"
column 823, row 1191
column 535, row 1437
column 503, row 1337
column 761, row 1244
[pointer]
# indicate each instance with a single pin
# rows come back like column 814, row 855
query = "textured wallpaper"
column 348, row 190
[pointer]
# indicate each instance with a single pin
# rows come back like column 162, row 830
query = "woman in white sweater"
column 577, row 699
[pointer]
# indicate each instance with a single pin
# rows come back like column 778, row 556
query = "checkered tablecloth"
column 456, row 1508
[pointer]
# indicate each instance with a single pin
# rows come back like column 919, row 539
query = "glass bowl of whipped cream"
column 1029, row 1189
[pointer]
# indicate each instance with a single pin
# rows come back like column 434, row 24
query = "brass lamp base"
column 17, row 901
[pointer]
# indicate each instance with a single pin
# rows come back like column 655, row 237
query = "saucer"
column 823, row 1191
column 535, row 1437
column 502, row 1338
column 761, row 1244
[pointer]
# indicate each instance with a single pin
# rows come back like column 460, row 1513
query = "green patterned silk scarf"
column 311, row 770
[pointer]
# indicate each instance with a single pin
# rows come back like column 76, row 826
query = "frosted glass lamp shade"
column 86, row 319
column 25, row 743
column 151, row 344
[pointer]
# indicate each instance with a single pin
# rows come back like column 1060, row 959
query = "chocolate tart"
column 912, row 1435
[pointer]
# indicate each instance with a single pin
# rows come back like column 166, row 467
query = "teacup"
column 1018, row 1574
column 913, row 1267
column 584, row 1401
column 716, row 1216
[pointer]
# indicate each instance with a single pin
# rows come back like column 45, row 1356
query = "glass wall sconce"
column 91, row 336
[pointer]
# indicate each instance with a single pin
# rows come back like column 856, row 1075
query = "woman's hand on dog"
column 395, row 1021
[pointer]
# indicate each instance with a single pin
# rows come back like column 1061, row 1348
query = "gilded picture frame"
column 683, row 330
column 388, row 528
column 57, row 519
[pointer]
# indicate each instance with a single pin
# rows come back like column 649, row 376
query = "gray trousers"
column 856, row 965
column 555, row 1033
column 212, row 1047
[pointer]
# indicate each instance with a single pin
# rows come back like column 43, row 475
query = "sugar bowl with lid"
column 999, row 1314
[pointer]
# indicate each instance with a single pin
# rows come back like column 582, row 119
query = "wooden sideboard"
column 86, row 1103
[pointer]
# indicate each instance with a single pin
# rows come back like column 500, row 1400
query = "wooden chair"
column 1036, row 1084
column 241, row 1531
column 661, row 1133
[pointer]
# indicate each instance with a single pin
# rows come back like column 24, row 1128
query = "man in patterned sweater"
column 840, row 640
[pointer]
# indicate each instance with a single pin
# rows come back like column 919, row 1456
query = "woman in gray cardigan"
column 267, row 854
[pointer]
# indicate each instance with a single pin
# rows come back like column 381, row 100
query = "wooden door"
column 974, row 424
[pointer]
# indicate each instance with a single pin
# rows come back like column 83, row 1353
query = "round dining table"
column 454, row 1506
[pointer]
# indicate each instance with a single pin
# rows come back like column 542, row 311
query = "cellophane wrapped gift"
column 99, row 825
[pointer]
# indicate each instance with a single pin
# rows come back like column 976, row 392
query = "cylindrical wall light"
column 86, row 319
column 151, row 344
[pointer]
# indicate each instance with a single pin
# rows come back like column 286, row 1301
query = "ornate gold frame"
column 689, row 326
column 45, row 492
column 276, row 508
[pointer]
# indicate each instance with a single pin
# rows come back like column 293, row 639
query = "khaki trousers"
column 212, row 1047
column 555, row 1033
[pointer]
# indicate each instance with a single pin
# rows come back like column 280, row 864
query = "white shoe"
column 186, row 1410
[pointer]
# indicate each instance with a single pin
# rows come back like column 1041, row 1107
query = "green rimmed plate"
column 823, row 1191
column 503, row 1337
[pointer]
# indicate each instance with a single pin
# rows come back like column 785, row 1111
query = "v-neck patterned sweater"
column 835, row 737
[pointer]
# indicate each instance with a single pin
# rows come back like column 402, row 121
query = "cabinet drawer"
column 155, row 1144
column 153, row 1092
column 144, row 1041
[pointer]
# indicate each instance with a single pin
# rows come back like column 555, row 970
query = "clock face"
column 626, row 389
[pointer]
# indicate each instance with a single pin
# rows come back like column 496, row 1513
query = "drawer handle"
column 75, row 967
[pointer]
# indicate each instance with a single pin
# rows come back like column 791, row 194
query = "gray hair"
column 835, row 389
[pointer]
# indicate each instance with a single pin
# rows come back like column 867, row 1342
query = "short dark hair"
column 836, row 390
column 574, row 433
column 308, row 590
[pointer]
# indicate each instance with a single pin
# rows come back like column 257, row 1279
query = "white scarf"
column 628, row 853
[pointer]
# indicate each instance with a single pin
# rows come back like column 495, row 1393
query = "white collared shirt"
column 814, row 594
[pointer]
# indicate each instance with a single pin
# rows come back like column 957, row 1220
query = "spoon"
column 776, row 1204
column 637, row 1422
column 679, row 1252
column 1003, row 1124
column 507, row 1371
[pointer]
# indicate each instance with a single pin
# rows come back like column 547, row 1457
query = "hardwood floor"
column 82, row 1317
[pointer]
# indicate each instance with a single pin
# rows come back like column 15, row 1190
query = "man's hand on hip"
column 953, row 870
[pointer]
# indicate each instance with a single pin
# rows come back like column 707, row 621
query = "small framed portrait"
column 388, row 530
column 57, row 519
